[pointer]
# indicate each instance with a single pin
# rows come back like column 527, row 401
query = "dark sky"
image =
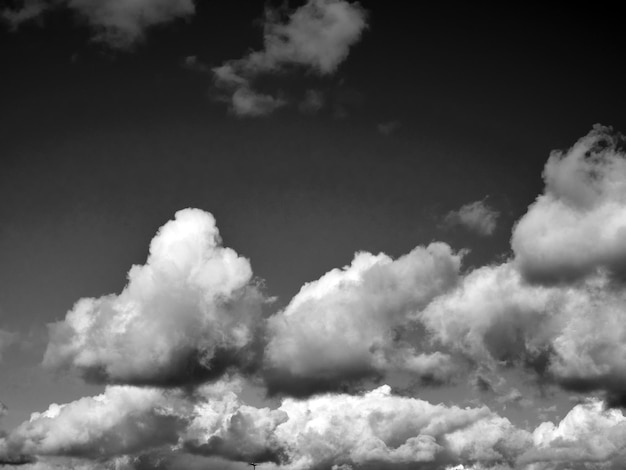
column 99, row 147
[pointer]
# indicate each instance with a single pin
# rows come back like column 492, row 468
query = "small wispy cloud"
column 388, row 128
column 7, row 338
column 313, row 101
column 118, row 24
column 476, row 216
column 316, row 36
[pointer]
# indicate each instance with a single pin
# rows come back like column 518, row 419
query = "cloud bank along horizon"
column 193, row 326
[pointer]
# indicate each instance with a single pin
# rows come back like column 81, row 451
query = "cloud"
column 388, row 128
column 590, row 436
column 572, row 335
column 493, row 316
column 246, row 102
column 312, row 102
column 119, row 24
column 139, row 427
column 185, row 316
column 476, row 216
column 7, row 338
column 349, row 324
column 577, row 227
column 120, row 421
column 391, row 432
column 316, row 36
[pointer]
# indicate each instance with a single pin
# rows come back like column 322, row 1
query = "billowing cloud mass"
column 476, row 216
column 346, row 325
column 119, row 24
column 191, row 316
column 185, row 316
column 121, row 421
column 324, row 432
column 317, row 36
column 574, row 336
column 590, row 436
column 577, row 227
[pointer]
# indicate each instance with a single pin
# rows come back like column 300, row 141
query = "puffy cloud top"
column 186, row 315
column 324, row 432
column 577, row 227
column 342, row 326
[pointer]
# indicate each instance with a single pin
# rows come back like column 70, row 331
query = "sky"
column 320, row 234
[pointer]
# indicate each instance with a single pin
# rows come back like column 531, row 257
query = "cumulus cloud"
column 120, row 421
column 185, row 316
column 127, row 425
column 119, row 24
column 348, row 324
column 574, row 336
column 577, row 226
column 476, row 216
column 316, row 36
column 590, row 436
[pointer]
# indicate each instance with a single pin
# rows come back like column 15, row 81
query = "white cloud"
column 589, row 434
column 493, row 316
column 318, row 36
column 124, row 425
column 120, row 421
column 577, row 227
column 381, row 428
column 185, row 316
column 117, row 23
column 347, row 324
column 476, row 216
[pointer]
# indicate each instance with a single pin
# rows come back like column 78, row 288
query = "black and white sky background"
column 311, row 235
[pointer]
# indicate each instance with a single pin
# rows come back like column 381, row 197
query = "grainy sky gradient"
column 383, row 159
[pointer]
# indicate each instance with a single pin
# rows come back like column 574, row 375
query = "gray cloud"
column 185, row 316
column 7, row 338
column 119, row 24
column 476, row 216
column 312, row 102
column 316, row 36
column 388, row 128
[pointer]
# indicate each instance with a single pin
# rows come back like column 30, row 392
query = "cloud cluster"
column 192, row 314
column 476, row 216
column 590, row 436
column 125, row 424
column 119, row 24
column 316, row 36
column 185, row 316
column 557, row 306
column 345, row 326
